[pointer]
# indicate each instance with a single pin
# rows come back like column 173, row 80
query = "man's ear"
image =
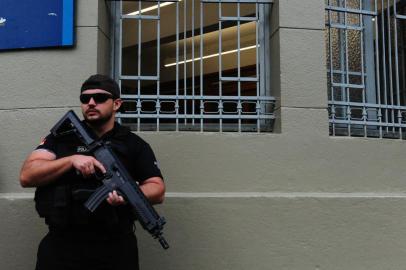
column 117, row 104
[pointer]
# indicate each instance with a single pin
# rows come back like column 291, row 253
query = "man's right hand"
column 86, row 165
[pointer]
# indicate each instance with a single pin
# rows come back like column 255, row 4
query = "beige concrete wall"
column 296, row 199
column 278, row 231
column 37, row 87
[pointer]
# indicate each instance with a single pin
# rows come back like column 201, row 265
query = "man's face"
column 98, row 112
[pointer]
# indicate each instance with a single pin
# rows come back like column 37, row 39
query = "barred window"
column 194, row 65
column 366, row 64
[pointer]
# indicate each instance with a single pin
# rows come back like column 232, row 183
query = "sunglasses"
column 98, row 98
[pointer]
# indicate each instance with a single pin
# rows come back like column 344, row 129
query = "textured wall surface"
column 276, row 231
column 296, row 199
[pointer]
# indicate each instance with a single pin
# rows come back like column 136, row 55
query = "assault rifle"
column 116, row 178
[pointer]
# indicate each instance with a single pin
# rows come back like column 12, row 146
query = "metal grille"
column 194, row 66
column 366, row 67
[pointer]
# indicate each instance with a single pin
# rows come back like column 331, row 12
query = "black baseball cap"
column 99, row 81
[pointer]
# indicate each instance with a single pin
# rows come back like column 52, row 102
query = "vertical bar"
column 239, row 106
column 364, row 111
column 399, row 116
column 220, row 69
column 115, row 44
column 177, row 68
column 369, row 58
column 402, row 66
column 347, row 79
column 120, row 43
column 116, row 6
column 390, row 68
column 201, row 66
column 263, row 62
column 193, row 61
column 377, row 71
column 258, row 13
column 384, row 64
column 341, row 40
column 402, row 59
column 139, row 104
column 184, row 59
column 331, row 70
column 119, row 85
column 158, row 66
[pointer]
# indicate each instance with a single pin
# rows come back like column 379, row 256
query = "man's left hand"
column 115, row 199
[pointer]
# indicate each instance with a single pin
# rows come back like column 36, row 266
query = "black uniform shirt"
column 136, row 156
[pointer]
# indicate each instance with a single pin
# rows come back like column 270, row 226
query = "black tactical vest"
column 61, row 203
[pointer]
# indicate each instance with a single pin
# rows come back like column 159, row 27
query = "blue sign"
column 36, row 24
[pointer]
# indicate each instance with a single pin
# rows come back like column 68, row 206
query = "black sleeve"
column 146, row 164
column 48, row 143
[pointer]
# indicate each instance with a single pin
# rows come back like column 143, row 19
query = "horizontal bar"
column 346, row 27
column 238, row 79
column 198, row 97
column 367, row 123
column 368, row 105
column 398, row 16
column 348, row 85
column 140, row 17
column 139, row 78
column 239, row 1
column 196, row 116
column 241, row 19
column 149, row 0
column 351, row 10
column 341, row 72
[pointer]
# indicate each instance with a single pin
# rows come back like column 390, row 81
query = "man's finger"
column 84, row 172
column 92, row 169
column 89, row 170
column 99, row 165
column 115, row 199
column 111, row 201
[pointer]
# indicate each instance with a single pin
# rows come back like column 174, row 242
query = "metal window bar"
column 365, row 41
column 194, row 105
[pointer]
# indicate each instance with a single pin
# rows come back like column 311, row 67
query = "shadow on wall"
column 20, row 235
column 2, row 165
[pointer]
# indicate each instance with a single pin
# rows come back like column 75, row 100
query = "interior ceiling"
column 211, row 42
column 168, row 21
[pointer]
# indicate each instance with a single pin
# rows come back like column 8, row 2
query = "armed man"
column 65, row 175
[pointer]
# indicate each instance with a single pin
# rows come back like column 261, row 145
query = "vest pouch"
column 43, row 201
column 59, row 212
column 80, row 215
column 105, row 214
